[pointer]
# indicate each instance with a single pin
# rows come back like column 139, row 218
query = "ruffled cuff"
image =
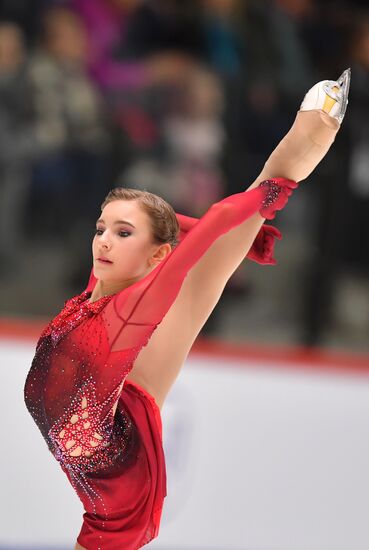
column 262, row 249
column 277, row 192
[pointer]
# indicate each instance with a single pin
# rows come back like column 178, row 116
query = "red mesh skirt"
column 133, row 492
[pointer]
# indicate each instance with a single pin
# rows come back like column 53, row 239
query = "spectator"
column 359, row 115
column 342, row 200
column 225, row 50
column 133, row 78
column 25, row 14
column 276, row 34
column 71, row 113
column 194, row 137
column 18, row 144
column 161, row 27
column 114, row 59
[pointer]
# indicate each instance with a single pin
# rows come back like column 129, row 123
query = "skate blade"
column 344, row 84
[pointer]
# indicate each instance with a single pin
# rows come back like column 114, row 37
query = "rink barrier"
column 291, row 356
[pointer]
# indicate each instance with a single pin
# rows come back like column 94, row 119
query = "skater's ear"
column 160, row 254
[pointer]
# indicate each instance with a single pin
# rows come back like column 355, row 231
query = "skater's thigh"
column 79, row 547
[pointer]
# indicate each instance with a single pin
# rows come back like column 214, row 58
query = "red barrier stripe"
column 23, row 329
column 289, row 356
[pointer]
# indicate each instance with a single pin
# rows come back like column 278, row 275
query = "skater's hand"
column 330, row 96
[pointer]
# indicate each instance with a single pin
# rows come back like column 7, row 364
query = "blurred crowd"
column 184, row 98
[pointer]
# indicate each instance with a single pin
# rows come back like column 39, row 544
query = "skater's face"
column 124, row 236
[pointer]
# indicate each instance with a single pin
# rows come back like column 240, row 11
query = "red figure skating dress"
column 105, row 431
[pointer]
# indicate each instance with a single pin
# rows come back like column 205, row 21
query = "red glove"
column 277, row 191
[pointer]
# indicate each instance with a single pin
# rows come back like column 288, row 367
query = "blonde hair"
column 164, row 224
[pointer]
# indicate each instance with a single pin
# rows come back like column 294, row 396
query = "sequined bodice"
column 70, row 401
column 75, row 310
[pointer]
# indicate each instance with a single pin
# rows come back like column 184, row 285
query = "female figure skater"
column 104, row 365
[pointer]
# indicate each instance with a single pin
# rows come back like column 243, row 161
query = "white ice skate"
column 330, row 96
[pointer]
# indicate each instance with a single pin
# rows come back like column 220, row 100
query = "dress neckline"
column 89, row 294
column 86, row 294
column 84, row 299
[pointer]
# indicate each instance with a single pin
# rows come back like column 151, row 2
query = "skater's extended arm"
column 296, row 156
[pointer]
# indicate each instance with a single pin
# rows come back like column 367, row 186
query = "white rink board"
column 259, row 457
